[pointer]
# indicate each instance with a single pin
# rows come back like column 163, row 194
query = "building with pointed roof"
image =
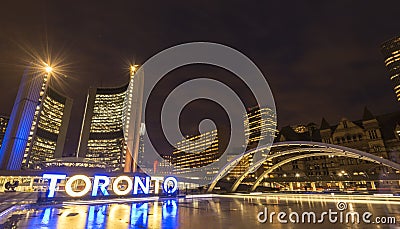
column 375, row 134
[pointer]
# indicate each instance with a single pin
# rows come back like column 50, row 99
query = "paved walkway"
column 9, row 199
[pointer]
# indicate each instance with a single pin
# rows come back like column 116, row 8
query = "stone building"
column 375, row 134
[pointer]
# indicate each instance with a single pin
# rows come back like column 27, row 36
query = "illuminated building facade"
column 241, row 166
column 391, row 52
column 164, row 167
column 141, row 160
column 377, row 135
column 259, row 129
column 48, row 137
column 134, row 127
column 259, row 126
column 193, row 155
column 3, row 127
column 72, row 162
column 102, row 137
column 38, row 123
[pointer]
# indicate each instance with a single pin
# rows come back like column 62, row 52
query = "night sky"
column 321, row 59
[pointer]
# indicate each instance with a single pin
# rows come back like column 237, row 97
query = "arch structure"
column 307, row 149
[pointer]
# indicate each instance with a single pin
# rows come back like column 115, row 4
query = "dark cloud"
column 321, row 58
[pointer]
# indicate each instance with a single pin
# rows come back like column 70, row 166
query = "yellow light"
column 71, row 192
column 48, row 69
column 134, row 68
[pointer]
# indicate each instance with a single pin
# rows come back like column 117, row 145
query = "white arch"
column 323, row 153
column 255, row 166
column 222, row 172
column 270, row 157
column 319, row 147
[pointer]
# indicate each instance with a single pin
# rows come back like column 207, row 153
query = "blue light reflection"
column 169, row 214
column 96, row 216
column 139, row 212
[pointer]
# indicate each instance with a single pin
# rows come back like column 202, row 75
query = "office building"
column 191, row 152
column 164, row 167
column 259, row 129
column 391, row 52
column 241, row 167
column 259, row 126
column 102, row 137
column 38, row 123
column 65, row 163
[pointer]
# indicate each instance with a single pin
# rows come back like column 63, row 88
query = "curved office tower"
column 102, row 137
column 47, row 142
column 391, row 52
column 38, row 124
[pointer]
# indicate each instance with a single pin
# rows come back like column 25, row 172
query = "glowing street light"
column 48, row 69
column 134, row 68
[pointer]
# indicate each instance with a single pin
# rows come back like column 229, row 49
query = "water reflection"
column 189, row 213
column 169, row 214
column 42, row 218
column 139, row 213
column 97, row 216
column 46, row 216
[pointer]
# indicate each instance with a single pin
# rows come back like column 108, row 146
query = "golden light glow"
column 134, row 68
column 43, row 59
column 48, row 69
column 69, row 185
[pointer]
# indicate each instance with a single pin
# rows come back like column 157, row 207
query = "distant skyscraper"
column 259, row 128
column 259, row 125
column 102, row 137
column 190, row 155
column 38, row 123
column 391, row 53
column 164, row 167
column 3, row 126
column 141, row 161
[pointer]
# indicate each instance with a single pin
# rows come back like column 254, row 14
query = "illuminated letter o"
column 127, row 190
column 165, row 185
column 68, row 186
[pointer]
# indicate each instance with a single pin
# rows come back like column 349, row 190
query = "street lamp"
column 133, row 68
column 48, row 68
